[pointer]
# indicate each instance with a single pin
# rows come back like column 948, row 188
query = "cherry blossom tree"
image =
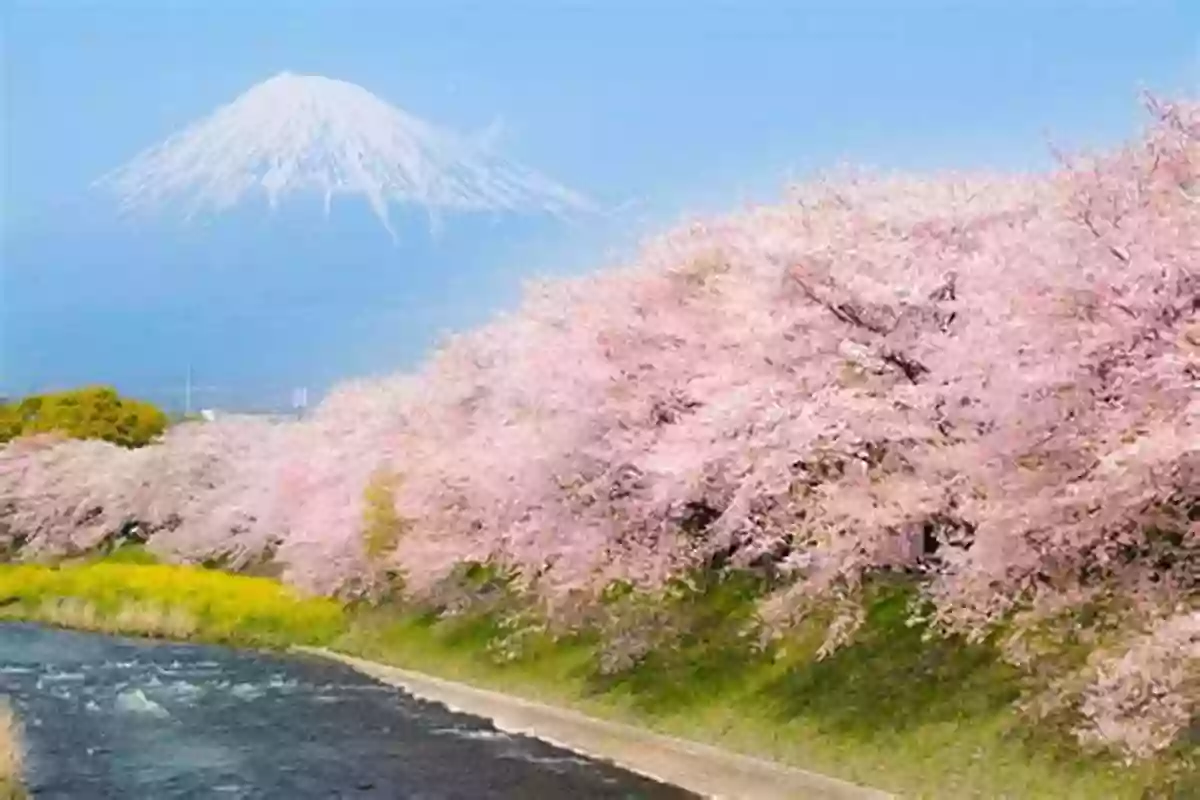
column 988, row 383
column 64, row 497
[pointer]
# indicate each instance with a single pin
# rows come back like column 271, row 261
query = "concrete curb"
column 705, row 770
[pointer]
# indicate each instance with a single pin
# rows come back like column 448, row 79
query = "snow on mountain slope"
column 299, row 133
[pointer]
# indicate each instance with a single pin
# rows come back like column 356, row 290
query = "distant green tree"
column 91, row 412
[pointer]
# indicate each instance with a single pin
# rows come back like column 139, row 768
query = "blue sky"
column 687, row 106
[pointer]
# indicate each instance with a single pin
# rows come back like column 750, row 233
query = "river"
column 106, row 717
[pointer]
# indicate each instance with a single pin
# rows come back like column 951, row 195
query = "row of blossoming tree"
column 990, row 384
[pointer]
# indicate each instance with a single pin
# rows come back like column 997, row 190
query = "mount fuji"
column 273, row 244
column 293, row 134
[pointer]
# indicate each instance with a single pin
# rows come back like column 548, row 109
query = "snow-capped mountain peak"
column 301, row 133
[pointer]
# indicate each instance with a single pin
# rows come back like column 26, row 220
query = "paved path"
column 698, row 768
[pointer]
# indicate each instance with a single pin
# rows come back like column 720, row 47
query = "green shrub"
column 92, row 412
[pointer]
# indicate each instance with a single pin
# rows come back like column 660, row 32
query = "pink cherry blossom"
column 1005, row 366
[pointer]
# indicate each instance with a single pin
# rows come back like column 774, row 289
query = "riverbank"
column 706, row 771
column 10, row 754
column 913, row 717
column 125, row 597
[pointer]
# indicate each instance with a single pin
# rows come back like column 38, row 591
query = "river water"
column 118, row 718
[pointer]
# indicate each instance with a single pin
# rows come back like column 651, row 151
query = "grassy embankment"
column 922, row 719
